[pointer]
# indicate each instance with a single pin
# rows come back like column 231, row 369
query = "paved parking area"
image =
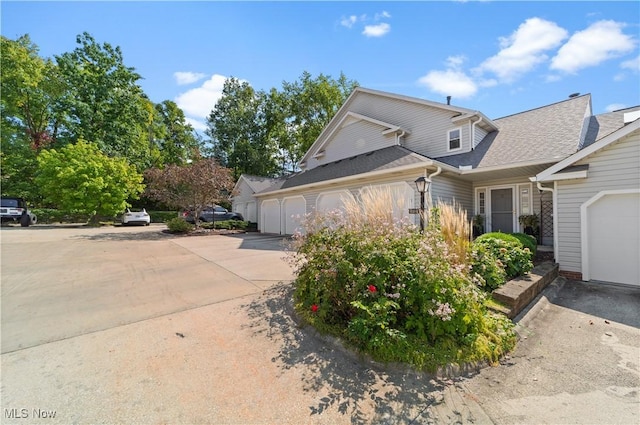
column 130, row 325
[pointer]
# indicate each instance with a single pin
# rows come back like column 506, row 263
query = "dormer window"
column 454, row 140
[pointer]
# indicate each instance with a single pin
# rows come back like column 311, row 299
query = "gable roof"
column 257, row 183
column 542, row 135
column 339, row 117
column 604, row 124
column 378, row 160
column 548, row 174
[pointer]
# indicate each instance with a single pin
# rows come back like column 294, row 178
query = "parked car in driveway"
column 210, row 214
column 15, row 210
column 135, row 217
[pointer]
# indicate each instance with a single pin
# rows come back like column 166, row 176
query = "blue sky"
column 496, row 57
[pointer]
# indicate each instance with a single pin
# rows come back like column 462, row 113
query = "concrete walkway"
column 218, row 344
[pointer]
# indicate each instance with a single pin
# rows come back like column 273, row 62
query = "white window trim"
column 459, row 129
column 477, row 201
column 519, row 206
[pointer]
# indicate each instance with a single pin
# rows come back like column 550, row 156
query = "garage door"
column 294, row 210
column 613, row 231
column 270, row 214
column 251, row 212
column 328, row 201
column 400, row 196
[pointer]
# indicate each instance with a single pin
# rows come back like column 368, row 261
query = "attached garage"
column 251, row 213
column 294, row 209
column 270, row 216
column 611, row 231
column 328, row 201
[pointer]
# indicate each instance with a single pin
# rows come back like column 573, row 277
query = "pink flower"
column 373, row 289
column 314, row 307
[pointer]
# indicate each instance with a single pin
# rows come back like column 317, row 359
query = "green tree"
column 80, row 178
column 30, row 87
column 192, row 186
column 308, row 105
column 104, row 103
column 175, row 137
column 237, row 130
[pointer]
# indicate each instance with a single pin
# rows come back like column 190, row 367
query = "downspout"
column 555, row 215
column 473, row 133
column 399, row 136
column 430, row 177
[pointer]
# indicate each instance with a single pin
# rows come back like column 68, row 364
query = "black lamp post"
column 422, row 184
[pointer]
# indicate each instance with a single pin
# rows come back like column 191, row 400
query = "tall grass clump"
column 392, row 292
column 456, row 230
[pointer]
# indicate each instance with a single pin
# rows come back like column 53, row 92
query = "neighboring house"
column 497, row 168
column 244, row 201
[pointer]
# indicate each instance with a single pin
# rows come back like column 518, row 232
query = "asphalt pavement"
column 131, row 325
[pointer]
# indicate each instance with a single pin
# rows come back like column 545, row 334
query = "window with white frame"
column 525, row 200
column 481, row 205
column 454, row 140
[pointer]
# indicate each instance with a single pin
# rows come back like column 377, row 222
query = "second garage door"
column 294, row 210
column 270, row 215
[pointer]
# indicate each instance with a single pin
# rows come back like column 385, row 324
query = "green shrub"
column 527, row 241
column 50, row 215
column 509, row 252
column 178, row 225
column 486, row 265
column 225, row 225
column 393, row 293
column 162, row 216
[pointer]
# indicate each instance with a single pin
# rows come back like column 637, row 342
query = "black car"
column 210, row 213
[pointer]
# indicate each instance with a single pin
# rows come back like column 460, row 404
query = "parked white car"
column 135, row 217
column 15, row 210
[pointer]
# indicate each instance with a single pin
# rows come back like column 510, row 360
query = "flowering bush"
column 393, row 292
column 508, row 250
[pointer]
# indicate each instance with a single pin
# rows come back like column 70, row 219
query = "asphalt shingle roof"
column 258, row 184
column 605, row 124
column 549, row 133
column 382, row 159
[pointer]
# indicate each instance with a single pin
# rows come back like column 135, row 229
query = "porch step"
column 519, row 292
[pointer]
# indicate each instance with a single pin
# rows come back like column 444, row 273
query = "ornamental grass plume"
column 456, row 230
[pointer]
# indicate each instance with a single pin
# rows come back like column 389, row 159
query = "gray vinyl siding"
column 448, row 190
column 429, row 126
column 614, row 167
column 479, row 135
column 354, row 139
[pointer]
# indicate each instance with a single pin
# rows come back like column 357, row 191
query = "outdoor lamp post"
column 422, row 184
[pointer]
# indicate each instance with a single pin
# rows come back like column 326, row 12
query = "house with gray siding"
column 495, row 168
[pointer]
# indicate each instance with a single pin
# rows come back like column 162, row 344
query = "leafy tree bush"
column 508, row 250
column 81, row 179
column 225, row 224
column 178, row 225
column 393, row 293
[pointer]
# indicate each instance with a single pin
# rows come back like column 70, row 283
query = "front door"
column 502, row 210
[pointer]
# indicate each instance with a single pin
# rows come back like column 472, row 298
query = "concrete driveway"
column 130, row 325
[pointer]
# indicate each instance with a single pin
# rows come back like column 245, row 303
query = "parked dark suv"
column 15, row 210
column 217, row 212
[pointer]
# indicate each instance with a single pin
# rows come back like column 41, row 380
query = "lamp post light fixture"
column 422, row 184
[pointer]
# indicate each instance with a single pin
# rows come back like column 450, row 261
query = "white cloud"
column 199, row 102
column 599, row 42
column 451, row 82
column 382, row 15
column 349, row 21
column 376, row 30
column 632, row 64
column 615, row 107
column 196, row 124
column 524, row 49
column 183, row 78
